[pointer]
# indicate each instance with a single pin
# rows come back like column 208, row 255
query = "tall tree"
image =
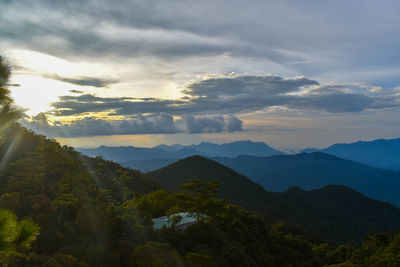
column 8, row 112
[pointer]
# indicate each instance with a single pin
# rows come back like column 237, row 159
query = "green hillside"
column 93, row 212
column 77, row 201
column 337, row 213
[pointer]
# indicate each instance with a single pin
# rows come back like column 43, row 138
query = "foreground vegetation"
column 93, row 212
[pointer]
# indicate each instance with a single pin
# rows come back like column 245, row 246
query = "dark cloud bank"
column 233, row 94
column 301, row 38
column 207, row 106
column 83, row 81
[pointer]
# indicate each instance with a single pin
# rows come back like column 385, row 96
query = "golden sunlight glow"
column 112, row 140
column 45, row 64
column 37, row 93
column 42, row 63
column 36, row 74
column 37, row 89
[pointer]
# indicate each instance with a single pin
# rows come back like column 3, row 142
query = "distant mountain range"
column 315, row 170
column 379, row 153
column 234, row 149
column 280, row 171
column 148, row 165
column 307, row 171
column 336, row 212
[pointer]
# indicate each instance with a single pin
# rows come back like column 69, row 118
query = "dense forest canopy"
column 60, row 208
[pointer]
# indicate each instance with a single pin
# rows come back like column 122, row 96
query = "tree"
column 201, row 198
column 155, row 204
column 155, row 254
column 5, row 73
column 8, row 112
column 198, row 260
column 15, row 237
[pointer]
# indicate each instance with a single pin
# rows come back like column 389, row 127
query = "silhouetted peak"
column 316, row 155
column 195, row 158
column 294, row 190
column 336, row 188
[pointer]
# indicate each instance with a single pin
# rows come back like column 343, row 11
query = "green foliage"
column 83, row 205
column 201, row 197
column 61, row 260
column 15, row 237
column 93, row 212
column 336, row 213
column 27, row 233
column 156, row 204
column 8, row 230
column 8, row 112
column 225, row 235
column 377, row 250
column 155, row 254
column 199, row 260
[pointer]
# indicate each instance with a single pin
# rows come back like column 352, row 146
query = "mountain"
column 233, row 185
column 52, row 160
column 237, row 148
column 123, row 153
column 307, row 171
column 173, row 148
column 87, row 209
column 129, row 153
column 381, row 153
column 315, row 170
column 336, row 212
column 148, row 165
column 80, row 204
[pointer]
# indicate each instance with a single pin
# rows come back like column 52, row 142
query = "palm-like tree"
column 5, row 73
column 8, row 112
column 15, row 237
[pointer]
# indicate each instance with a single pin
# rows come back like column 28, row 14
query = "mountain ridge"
column 381, row 153
column 315, row 170
column 322, row 210
column 304, row 170
column 127, row 153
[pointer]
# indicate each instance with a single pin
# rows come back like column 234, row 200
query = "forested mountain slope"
column 306, row 170
column 91, row 212
column 336, row 212
column 76, row 200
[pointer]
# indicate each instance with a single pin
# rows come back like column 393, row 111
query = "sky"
column 293, row 74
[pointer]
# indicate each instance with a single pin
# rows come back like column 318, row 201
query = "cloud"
column 236, row 85
column 204, row 124
column 13, row 85
column 234, row 124
column 212, row 124
column 103, row 31
column 235, row 94
column 83, row 81
column 283, row 32
column 72, row 105
column 337, row 102
column 76, row 92
column 155, row 124
column 141, row 43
